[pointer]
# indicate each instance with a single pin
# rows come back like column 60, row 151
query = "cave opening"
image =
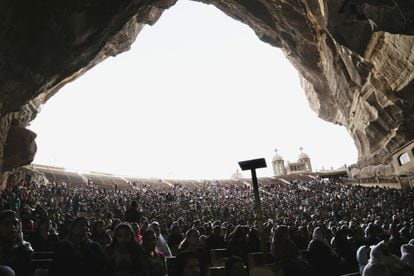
column 187, row 94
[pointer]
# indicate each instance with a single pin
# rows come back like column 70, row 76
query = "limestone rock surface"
column 355, row 57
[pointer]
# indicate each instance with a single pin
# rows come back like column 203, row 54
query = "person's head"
column 99, row 227
column 123, row 235
column 79, row 229
column 149, row 240
column 115, row 223
column 155, row 226
column 253, row 234
column 10, row 226
column 281, row 233
column 318, row 234
column 186, row 264
column 379, row 252
column 203, row 241
column 239, row 233
column 134, row 204
column 234, row 267
column 192, row 236
column 216, row 231
column 145, row 224
column 44, row 226
column 175, row 228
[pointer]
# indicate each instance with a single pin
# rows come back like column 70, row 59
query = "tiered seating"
column 218, row 257
column 191, row 184
column 97, row 180
column 122, row 183
column 261, row 264
column 230, row 182
column 141, row 183
column 218, row 271
column 50, row 176
column 41, row 262
column 75, row 179
column 300, row 177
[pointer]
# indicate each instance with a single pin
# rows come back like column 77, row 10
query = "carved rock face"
column 355, row 57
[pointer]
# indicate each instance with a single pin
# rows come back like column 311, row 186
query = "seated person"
column 15, row 253
column 44, row 239
column 77, row 254
column 154, row 261
column 124, row 255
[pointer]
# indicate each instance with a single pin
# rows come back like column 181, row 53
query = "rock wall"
column 355, row 57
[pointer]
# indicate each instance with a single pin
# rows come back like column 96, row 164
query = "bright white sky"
column 197, row 93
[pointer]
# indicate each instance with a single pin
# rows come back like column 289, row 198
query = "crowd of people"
column 314, row 227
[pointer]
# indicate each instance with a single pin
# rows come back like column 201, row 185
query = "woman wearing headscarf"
column 377, row 265
column 407, row 253
column 285, row 251
column 345, row 249
column 322, row 257
column 362, row 255
column 384, row 263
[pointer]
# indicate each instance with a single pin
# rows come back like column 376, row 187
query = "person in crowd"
column 162, row 244
column 175, row 238
column 133, row 214
column 362, row 255
column 111, row 229
column 285, row 251
column 44, row 238
column 124, row 255
column 407, row 253
column 302, row 207
column 154, row 263
column 6, row 271
column 137, row 232
column 237, row 243
column 383, row 262
column 234, row 267
column 99, row 234
column 15, row 253
column 345, row 249
column 253, row 241
column 377, row 264
column 77, row 254
column 191, row 241
column 371, row 237
column 215, row 240
column 396, row 241
column 323, row 259
column 186, row 264
column 26, row 220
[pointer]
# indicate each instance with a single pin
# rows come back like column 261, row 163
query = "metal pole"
column 259, row 213
column 252, row 165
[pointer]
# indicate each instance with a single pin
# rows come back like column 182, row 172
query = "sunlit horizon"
column 197, row 92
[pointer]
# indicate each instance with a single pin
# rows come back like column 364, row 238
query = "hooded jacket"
column 407, row 254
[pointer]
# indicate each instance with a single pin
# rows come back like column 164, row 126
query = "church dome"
column 302, row 155
column 277, row 157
